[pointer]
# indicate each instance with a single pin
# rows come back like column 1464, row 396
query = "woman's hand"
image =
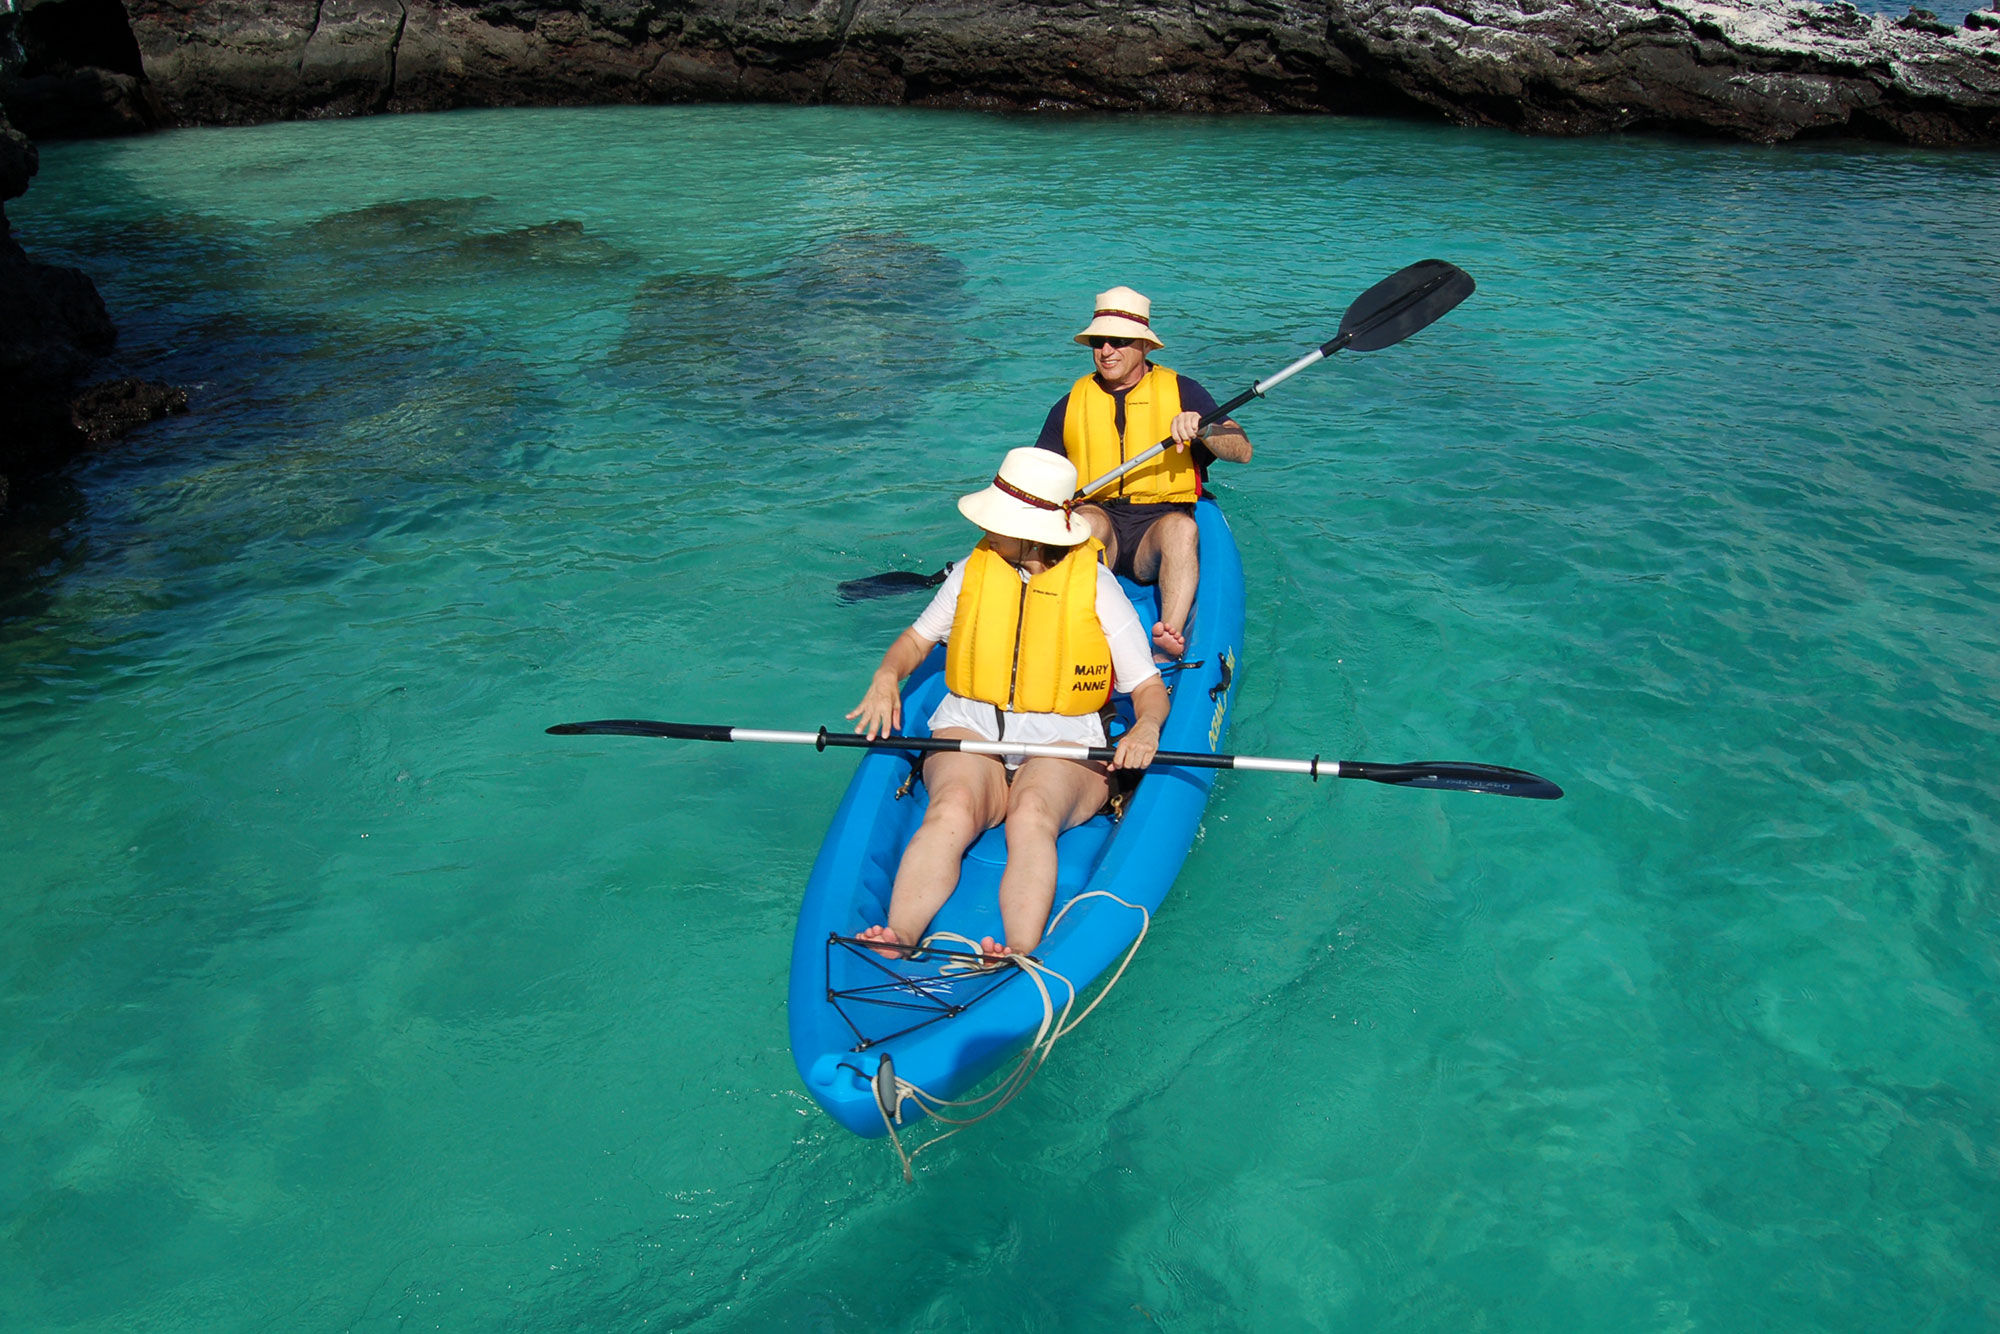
column 1138, row 746
column 880, row 711
column 1141, row 741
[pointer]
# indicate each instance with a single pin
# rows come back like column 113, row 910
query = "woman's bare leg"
column 1048, row 796
column 968, row 796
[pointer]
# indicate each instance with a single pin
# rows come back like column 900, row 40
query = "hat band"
column 1123, row 315
column 1002, row 485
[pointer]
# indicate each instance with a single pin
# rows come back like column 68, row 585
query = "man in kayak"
column 1125, row 406
column 1039, row 633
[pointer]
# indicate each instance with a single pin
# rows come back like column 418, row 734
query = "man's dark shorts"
column 1129, row 523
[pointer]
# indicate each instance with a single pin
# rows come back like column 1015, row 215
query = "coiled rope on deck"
column 1053, row 1029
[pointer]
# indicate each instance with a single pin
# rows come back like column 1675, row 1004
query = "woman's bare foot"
column 877, row 937
column 993, row 952
column 1170, row 642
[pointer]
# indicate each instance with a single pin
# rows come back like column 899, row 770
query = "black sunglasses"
column 1096, row 343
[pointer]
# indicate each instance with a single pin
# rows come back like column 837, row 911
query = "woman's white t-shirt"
column 1131, row 666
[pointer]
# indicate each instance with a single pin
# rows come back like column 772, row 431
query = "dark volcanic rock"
column 53, row 330
column 53, row 327
column 106, row 411
column 1753, row 69
column 18, row 164
column 76, row 72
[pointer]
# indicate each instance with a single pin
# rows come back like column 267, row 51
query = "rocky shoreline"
column 1757, row 70
column 74, row 68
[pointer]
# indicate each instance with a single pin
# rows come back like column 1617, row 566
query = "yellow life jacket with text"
column 1090, row 435
column 1033, row 647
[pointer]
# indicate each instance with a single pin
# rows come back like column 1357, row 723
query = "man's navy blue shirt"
column 1193, row 399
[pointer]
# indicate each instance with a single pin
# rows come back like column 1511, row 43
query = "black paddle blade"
column 641, row 727
column 888, row 585
column 1454, row 776
column 1401, row 304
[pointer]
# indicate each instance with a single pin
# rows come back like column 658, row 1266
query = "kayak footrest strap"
column 895, row 996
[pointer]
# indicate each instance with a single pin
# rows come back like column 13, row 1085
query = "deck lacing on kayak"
column 1054, row 1027
column 936, row 996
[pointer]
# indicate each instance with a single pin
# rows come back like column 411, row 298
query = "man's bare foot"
column 1170, row 642
column 879, row 936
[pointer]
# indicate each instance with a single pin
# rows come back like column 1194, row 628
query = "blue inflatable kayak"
column 946, row 1031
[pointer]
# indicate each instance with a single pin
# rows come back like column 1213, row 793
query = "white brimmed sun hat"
column 1030, row 499
column 1122, row 313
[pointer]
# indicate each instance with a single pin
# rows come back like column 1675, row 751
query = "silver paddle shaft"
column 1449, row 774
column 1257, row 390
column 1034, row 750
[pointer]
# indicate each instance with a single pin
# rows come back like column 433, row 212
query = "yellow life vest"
column 1090, row 435
column 1033, row 647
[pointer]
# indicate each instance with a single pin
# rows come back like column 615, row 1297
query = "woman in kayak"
column 1039, row 633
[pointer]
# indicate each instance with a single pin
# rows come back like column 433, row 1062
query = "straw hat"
column 1029, row 499
column 1122, row 313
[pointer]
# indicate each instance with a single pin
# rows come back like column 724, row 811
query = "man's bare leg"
column 1100, row 528
column 1169, row 555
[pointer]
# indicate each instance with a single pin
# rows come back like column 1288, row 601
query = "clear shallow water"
column 1953, row 13
column 335, row 995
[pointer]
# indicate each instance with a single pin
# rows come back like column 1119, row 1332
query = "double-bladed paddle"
column 1453, row 776
column 1380, row 317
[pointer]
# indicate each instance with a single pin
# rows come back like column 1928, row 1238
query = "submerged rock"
column 452, row 242
column 1753, row 69
column 106, row 411
column 859, row 325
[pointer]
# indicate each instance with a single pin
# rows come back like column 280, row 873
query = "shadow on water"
column 863, row 324
column 39, row 543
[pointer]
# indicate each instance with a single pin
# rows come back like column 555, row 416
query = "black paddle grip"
column 643, row 727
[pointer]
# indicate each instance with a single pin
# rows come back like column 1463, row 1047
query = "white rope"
column 973, row 961
column 1053, row 1029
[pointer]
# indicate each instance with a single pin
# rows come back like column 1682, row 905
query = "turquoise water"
column 1952, row 12
column 336, row 995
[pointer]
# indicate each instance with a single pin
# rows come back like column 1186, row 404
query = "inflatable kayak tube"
column 947, row 1032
